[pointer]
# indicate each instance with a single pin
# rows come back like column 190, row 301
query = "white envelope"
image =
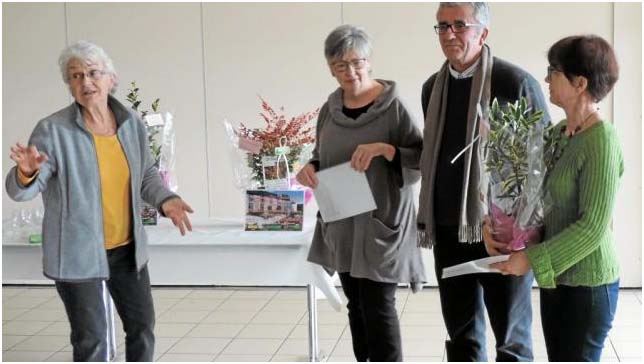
column 343, row 192
column 474, row 266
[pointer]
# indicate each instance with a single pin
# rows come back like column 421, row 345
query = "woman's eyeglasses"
column 343, row 66
column 92, row 74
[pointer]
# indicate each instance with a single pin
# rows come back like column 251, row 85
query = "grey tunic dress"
column 379, row 245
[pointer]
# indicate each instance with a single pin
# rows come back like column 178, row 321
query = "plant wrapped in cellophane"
column 161, row 141
column 273, row 153
column 517, row 154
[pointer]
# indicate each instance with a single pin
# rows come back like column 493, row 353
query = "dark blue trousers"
column 132, row 297
column 576, row 320
column 464, row 300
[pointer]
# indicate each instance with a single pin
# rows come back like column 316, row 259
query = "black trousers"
column 373, row 319
column 132, row 297
column 465, row 298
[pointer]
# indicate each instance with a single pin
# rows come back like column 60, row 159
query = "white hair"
column 85, row 51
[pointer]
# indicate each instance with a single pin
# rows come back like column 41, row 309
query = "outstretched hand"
column 28, row 159
column 176, row 210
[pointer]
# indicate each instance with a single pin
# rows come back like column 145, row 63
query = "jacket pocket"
column 383, row 248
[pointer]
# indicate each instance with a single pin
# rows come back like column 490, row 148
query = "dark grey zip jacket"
column 73, row 239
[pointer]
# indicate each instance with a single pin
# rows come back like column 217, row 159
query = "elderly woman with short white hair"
column 91, row 162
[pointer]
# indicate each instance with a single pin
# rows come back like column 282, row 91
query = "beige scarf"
column 472, row 202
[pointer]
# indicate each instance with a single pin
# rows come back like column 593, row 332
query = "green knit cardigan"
column 578, row 247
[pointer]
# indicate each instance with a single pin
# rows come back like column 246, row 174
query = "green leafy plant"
column 133, row 98
column 507, row 153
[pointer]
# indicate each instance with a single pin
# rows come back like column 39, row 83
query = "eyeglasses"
column 550, row 70
column 342, row 66
column 456, row 27
column 92, row 74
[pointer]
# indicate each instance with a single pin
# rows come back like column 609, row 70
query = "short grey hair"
column 86, row 51
column 481, row 11
column 344, row 39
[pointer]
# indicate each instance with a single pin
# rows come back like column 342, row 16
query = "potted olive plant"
column 518, row 151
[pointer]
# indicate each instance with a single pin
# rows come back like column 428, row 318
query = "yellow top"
column 115, row 191
column 24, row 180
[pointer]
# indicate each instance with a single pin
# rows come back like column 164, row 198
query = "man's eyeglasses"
column 343, row 66
column 456, row 27
column 551, row 69
column 92, row 74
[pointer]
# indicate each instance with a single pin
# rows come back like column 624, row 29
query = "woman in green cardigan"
column 576, row 264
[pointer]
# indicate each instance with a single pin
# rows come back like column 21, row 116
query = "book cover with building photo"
column 274, row 210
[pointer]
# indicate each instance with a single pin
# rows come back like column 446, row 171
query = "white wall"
column 209, row 61
column 627, row 116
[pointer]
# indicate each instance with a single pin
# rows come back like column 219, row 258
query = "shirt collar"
column 469, row 72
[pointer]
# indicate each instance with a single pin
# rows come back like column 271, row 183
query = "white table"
column 215, row 253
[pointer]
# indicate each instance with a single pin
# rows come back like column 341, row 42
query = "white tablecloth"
column 244, row 246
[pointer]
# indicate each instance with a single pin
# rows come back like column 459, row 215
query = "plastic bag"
column 24, row 226
column 167, row 158
column 515, row 172
column 238, row 157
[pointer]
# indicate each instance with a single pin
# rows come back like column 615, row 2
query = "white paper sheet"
column 474, row 266
column 342, row 192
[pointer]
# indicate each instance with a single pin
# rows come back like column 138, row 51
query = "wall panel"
column 523, row 32
column 32, row 88
column 627, row 220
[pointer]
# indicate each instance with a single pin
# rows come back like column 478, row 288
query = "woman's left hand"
column 517, row 265
column 175, row 209
column 365, row 153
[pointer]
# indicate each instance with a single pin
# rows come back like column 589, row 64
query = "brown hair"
column 589, row 56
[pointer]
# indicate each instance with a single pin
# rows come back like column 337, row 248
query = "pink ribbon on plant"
column 505, row 230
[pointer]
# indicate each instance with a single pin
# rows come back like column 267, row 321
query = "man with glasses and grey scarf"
column 451, row 213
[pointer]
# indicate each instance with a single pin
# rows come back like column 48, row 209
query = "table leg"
column 314, row 349
column 109, row 317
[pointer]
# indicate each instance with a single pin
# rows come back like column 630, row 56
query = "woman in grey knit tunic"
column 365, row 122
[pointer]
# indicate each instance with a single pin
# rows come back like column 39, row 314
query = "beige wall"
column 209, row 61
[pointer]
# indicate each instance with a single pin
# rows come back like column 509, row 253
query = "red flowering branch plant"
column 296, row 131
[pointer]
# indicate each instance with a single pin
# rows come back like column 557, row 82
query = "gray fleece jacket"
column 379, row 245
column 73, row 239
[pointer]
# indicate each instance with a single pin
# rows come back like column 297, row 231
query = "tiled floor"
column 260, row 324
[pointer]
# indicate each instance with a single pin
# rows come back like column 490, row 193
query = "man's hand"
column 175, row 209
column 28, row 159
column 492, row 246
column 365, row 153
column 306, row 176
